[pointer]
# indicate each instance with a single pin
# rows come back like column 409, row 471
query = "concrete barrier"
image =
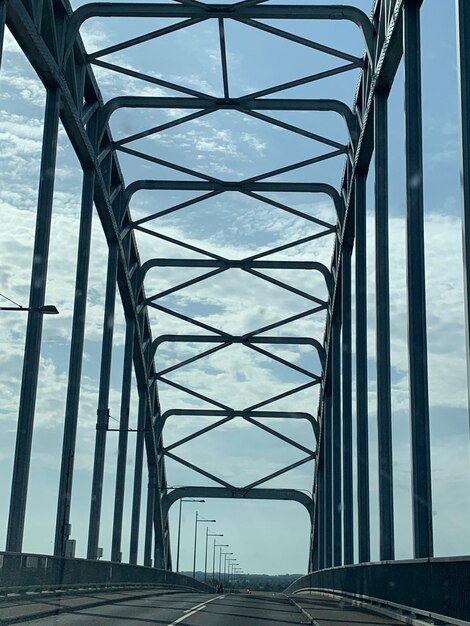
column 440, row 585
column 26, row 570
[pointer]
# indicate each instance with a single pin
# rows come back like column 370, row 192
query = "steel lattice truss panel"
column 287, row 284
column 227, row 202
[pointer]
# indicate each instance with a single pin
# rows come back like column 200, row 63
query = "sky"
column 268, row 537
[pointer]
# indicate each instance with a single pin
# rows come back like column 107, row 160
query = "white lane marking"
column 180, row 619
column 203, row 603
column 193, row 610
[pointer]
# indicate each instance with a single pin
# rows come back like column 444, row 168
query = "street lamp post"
column 208, row 534
column 45, row 309
column 179, row 532
column 198, row 519
column 227, row 576
column 225, row 569
column 220, row 563
column 226, row 559
column 237, row 575
column 231, row 573
column 217, row 545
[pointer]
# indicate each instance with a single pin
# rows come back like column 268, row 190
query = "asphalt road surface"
column 195, row 609
column 187, row 609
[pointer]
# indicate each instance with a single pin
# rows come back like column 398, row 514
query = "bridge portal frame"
column 48, row 34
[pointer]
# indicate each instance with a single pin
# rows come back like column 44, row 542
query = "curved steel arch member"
column 255, row 104
column 226, row 264
column 293, row 495
column 220, row 11
column 239, row 339
column 254, row 414
column 242, row 186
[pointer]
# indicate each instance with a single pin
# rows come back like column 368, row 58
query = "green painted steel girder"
column 218, row 11
column 293, row 495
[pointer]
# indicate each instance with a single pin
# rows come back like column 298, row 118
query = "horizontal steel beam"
column 226, row 264
column 218, row 11
column 235, row 263
column 219, row 423
column 254, row 414
column 265, row 104
column 237, row 339
column 248, row 266
column 293, row 495
column 227, row 185
column 239, row 186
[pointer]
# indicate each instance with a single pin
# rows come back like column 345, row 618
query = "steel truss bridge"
column 49, row 34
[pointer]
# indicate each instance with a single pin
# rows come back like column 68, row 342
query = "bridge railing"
column 438, row 587
column 38, row 570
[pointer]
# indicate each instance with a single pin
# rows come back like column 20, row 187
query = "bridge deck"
column 190, row 609
column 334, row 612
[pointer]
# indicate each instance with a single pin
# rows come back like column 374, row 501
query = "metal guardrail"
column 435, row 588
column 398, row 612
column 13, row 592
column 38, row 571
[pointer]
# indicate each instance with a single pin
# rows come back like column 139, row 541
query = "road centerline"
column 194, row 609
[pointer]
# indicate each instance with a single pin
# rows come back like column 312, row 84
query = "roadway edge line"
column 304, row 612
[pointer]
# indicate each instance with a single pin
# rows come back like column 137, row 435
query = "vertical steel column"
column 32, row 351
column 348, row 516
column 161, row 555
column 320, row 504
column 152, row 472
column 417, row 340
column 320, row 508
column 3, row 16
column 137, row 494
column 161, row 551
column 168, row 559
column 314, row 558
column 123, row 438
column 103, row 401
column 382, row 303
column 363, row 520
column 463, row 62
column 328, row 465
column 335, row 353
column 62, row 529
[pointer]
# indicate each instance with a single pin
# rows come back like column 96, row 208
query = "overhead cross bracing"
column 177, row 187
column 254, row 187
column 232, row 207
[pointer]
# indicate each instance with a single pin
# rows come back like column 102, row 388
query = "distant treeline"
column 254, row 582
